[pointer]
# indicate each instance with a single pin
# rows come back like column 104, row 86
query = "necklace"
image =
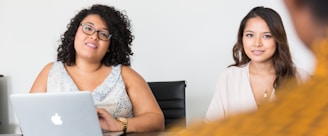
column 265, row 99
column 265, row 95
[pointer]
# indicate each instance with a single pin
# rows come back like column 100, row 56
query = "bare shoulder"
column 129, row 72
column 132, row 78
column 46, row 68
column 40, row 83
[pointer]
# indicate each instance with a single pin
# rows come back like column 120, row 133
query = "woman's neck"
column 261, row 68
column 87, row 66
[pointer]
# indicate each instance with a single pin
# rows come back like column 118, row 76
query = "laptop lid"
column 56, row 114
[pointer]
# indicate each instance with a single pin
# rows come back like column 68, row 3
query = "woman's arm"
column 147, row 114
column 40, row 83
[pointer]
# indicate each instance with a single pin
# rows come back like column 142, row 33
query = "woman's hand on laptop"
column 107, row 122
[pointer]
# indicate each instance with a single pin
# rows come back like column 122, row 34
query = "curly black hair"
column 120, row 42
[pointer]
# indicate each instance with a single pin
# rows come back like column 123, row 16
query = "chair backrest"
column 170, row 96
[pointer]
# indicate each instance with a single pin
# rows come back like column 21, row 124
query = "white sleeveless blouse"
column 110, row 94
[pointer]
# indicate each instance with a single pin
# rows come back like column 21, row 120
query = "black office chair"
column 170, row 96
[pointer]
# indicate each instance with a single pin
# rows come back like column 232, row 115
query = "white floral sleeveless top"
column 110, row 94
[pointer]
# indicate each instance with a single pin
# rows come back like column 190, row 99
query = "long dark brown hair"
column 282, row 60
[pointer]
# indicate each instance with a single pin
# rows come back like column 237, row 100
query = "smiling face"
column 88, row 46
column 258, row 42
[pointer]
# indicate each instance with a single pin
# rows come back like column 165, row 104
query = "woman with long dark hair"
column 263, row 63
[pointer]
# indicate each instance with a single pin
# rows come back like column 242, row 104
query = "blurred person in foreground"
column 303, row 109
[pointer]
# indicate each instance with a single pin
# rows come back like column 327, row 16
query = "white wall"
column 174, row 40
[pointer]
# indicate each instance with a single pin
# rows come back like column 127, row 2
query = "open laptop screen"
column 56, row 114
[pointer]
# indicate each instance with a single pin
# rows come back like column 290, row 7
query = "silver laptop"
column 56, row 114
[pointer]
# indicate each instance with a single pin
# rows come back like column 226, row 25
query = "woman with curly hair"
column 94, row 55
column 263, row 63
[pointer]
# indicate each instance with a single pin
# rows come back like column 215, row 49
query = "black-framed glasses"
column 90, row 30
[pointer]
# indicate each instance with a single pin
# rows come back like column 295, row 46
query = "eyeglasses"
column 102, row 34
